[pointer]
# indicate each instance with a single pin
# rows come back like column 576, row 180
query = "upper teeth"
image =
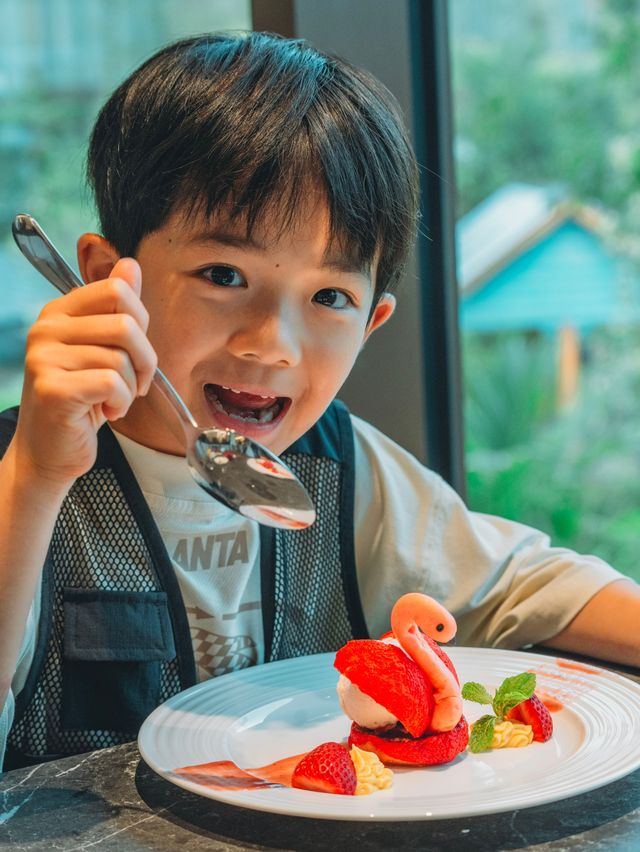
column 233, row 390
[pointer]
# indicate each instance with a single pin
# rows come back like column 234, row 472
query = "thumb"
column 129, row 270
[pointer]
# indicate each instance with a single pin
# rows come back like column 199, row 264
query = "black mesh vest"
column 113, row 639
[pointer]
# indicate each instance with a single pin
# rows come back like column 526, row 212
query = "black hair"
column 253, row 122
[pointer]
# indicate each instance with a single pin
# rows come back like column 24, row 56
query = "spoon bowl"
column 233, row 468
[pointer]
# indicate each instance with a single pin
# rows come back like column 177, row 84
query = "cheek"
column 177, row 331
column 166, row 327
column 333, row 359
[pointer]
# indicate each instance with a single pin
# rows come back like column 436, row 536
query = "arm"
column 87, row 359
column 607, row 626
column 29, row 505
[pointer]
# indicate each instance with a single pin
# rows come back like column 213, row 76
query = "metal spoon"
column 234, row 469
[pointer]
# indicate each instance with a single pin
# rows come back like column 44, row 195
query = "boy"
column 257, row 200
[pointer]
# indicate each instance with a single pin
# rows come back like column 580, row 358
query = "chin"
column 396, row 746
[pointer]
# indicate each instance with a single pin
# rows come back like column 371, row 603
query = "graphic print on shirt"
column 223, row 550
column 216, row 575
column 217, row 654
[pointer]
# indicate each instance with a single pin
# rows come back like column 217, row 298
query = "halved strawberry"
column 328, row 768
column 391, row 678
column 533, row 712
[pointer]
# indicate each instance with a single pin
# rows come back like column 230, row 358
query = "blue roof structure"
column 527, row 261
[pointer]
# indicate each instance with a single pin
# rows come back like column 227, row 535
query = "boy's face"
column 256, row 336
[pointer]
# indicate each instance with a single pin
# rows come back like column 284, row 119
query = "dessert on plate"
column 402, row 691
column 404, row 699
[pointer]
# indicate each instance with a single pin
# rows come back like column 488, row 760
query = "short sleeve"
column 503, row 581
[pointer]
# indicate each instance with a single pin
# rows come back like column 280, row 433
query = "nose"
column 270, row 332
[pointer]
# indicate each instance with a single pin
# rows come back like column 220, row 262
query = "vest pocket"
column 114, row 647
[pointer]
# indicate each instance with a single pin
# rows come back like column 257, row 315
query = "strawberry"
column 533, row 712
column 391, row 678
column 328, row 768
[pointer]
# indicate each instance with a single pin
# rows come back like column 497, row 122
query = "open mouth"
column 245, row 407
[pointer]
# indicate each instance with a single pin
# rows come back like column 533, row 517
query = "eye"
column 224, row 276
column 332, row 298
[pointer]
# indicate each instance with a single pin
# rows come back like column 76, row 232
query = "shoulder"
column 387, row 459
column 392, row 487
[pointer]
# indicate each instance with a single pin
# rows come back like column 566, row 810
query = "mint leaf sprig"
column 511, row 692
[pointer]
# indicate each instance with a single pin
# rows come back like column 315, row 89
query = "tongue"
column 244, row 401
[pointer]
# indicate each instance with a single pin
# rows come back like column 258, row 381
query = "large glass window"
column 59, row 60
column 547, row 110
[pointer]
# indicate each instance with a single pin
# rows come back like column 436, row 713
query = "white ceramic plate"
column 269, row 712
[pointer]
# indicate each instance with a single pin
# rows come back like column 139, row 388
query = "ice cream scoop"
column 361, row 708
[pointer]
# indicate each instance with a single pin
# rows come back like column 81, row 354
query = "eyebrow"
column 334, row 261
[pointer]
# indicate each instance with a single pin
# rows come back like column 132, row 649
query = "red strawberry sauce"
column 226, row 775
column 576, row 667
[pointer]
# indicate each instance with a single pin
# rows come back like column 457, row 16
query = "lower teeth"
column 265, row 416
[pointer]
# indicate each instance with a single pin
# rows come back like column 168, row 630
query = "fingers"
column 87, row 359
column 114, row 341
column 79, row 358
column 128, row 269
column 111, row 296
column 71, row 392
column 105, row 314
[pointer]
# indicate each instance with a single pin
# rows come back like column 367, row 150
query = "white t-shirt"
column 216, row 557
column 503, row 582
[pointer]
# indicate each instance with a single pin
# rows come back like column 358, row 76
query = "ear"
column 96, row 257
column 381, row 313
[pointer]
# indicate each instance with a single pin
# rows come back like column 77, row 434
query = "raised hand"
column 87, row 360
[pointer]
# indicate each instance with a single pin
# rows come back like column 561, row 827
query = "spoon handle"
column 36, row 246
column 41, row 253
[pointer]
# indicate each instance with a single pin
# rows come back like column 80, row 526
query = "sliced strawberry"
column 328, row 768
column 422, row 751
column 391, row 678
column 533, row 712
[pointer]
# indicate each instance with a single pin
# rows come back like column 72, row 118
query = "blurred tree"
column 526, row 110
column 59, row 59
column 549, row 92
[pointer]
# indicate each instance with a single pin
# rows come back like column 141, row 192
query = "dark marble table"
column 111, row 800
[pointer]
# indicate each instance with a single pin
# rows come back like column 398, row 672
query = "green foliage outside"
column 43, row 170
column 530, row 109
column 526, row 110
column 10, row 388
column 49, row 99
column 48, row 114
column 576, row 474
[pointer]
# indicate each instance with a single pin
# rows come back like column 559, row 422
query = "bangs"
column 280, row 196
column 254, row 128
